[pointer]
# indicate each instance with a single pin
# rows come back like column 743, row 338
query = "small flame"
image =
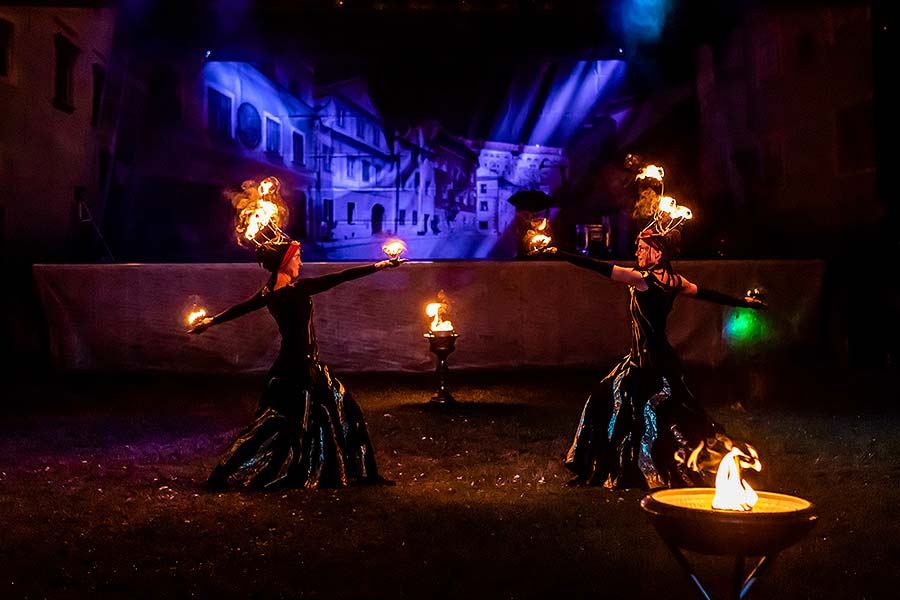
column 435, row 310
column 732, row 492
column 539, row 225
column 651, row 171
column 394, row 249
column 196, row 315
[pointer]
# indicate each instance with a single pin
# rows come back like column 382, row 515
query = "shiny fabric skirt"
column 307, row 433
column 638, row 429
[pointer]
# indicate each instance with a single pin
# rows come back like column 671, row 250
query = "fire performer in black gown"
column 308, row 431
column 641, row 427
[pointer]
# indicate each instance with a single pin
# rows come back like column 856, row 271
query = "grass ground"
column 100, row 493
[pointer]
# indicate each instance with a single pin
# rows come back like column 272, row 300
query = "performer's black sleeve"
column 315, row 285
column 255, row 302
column 592, row 264
column 720, row 298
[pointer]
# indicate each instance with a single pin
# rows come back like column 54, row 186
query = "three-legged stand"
column 740, row 584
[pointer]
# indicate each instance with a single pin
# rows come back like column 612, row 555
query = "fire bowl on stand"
column 685, row 520
column 442, row 343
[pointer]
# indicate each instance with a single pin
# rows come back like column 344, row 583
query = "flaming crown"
column 664, row 212
column 261, row 212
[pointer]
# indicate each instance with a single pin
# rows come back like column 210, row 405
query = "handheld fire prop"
column 394, row 249
column 195, row 316
column 261, row 212
column 538, row 237
column 194, row 311
column 441, row 341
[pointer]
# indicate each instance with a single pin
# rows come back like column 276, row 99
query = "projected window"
column 482, row 225
column 351, row 167
column 351, row 208
column 484, row 205
column 298, row 148
column 365, row 170
column 328, row 211
column 482, row 188
column 273, row 136
column 401, row 216
column 327, row 154
column 218, row 108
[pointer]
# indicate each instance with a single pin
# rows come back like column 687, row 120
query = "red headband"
column 292, row 249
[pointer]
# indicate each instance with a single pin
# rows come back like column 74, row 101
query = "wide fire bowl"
column 685, row 518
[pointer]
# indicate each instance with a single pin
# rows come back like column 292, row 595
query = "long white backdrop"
column 130, row 317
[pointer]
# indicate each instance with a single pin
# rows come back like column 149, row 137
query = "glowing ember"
column 394, row 249
column 732, row 492
column 436, row 310
column 651, row 171
column 195, row 316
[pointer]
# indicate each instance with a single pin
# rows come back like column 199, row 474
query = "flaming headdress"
column 261, row 212
column 663, row 211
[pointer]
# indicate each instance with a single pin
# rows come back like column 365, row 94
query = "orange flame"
column 651, row 171
column 196, row 315
column 732, row 492
column 436, row 310
column 668, row 205
column 261, row 212
column 394, row 248
column 257, row 217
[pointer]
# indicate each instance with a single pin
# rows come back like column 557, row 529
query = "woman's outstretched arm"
column 254, row 302
column 316, row 285
column 614, row 272
column 692, row 290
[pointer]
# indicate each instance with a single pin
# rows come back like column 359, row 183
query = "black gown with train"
column 641, row 423
column 308, row 431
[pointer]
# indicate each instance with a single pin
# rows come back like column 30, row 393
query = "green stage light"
column 746, row 327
